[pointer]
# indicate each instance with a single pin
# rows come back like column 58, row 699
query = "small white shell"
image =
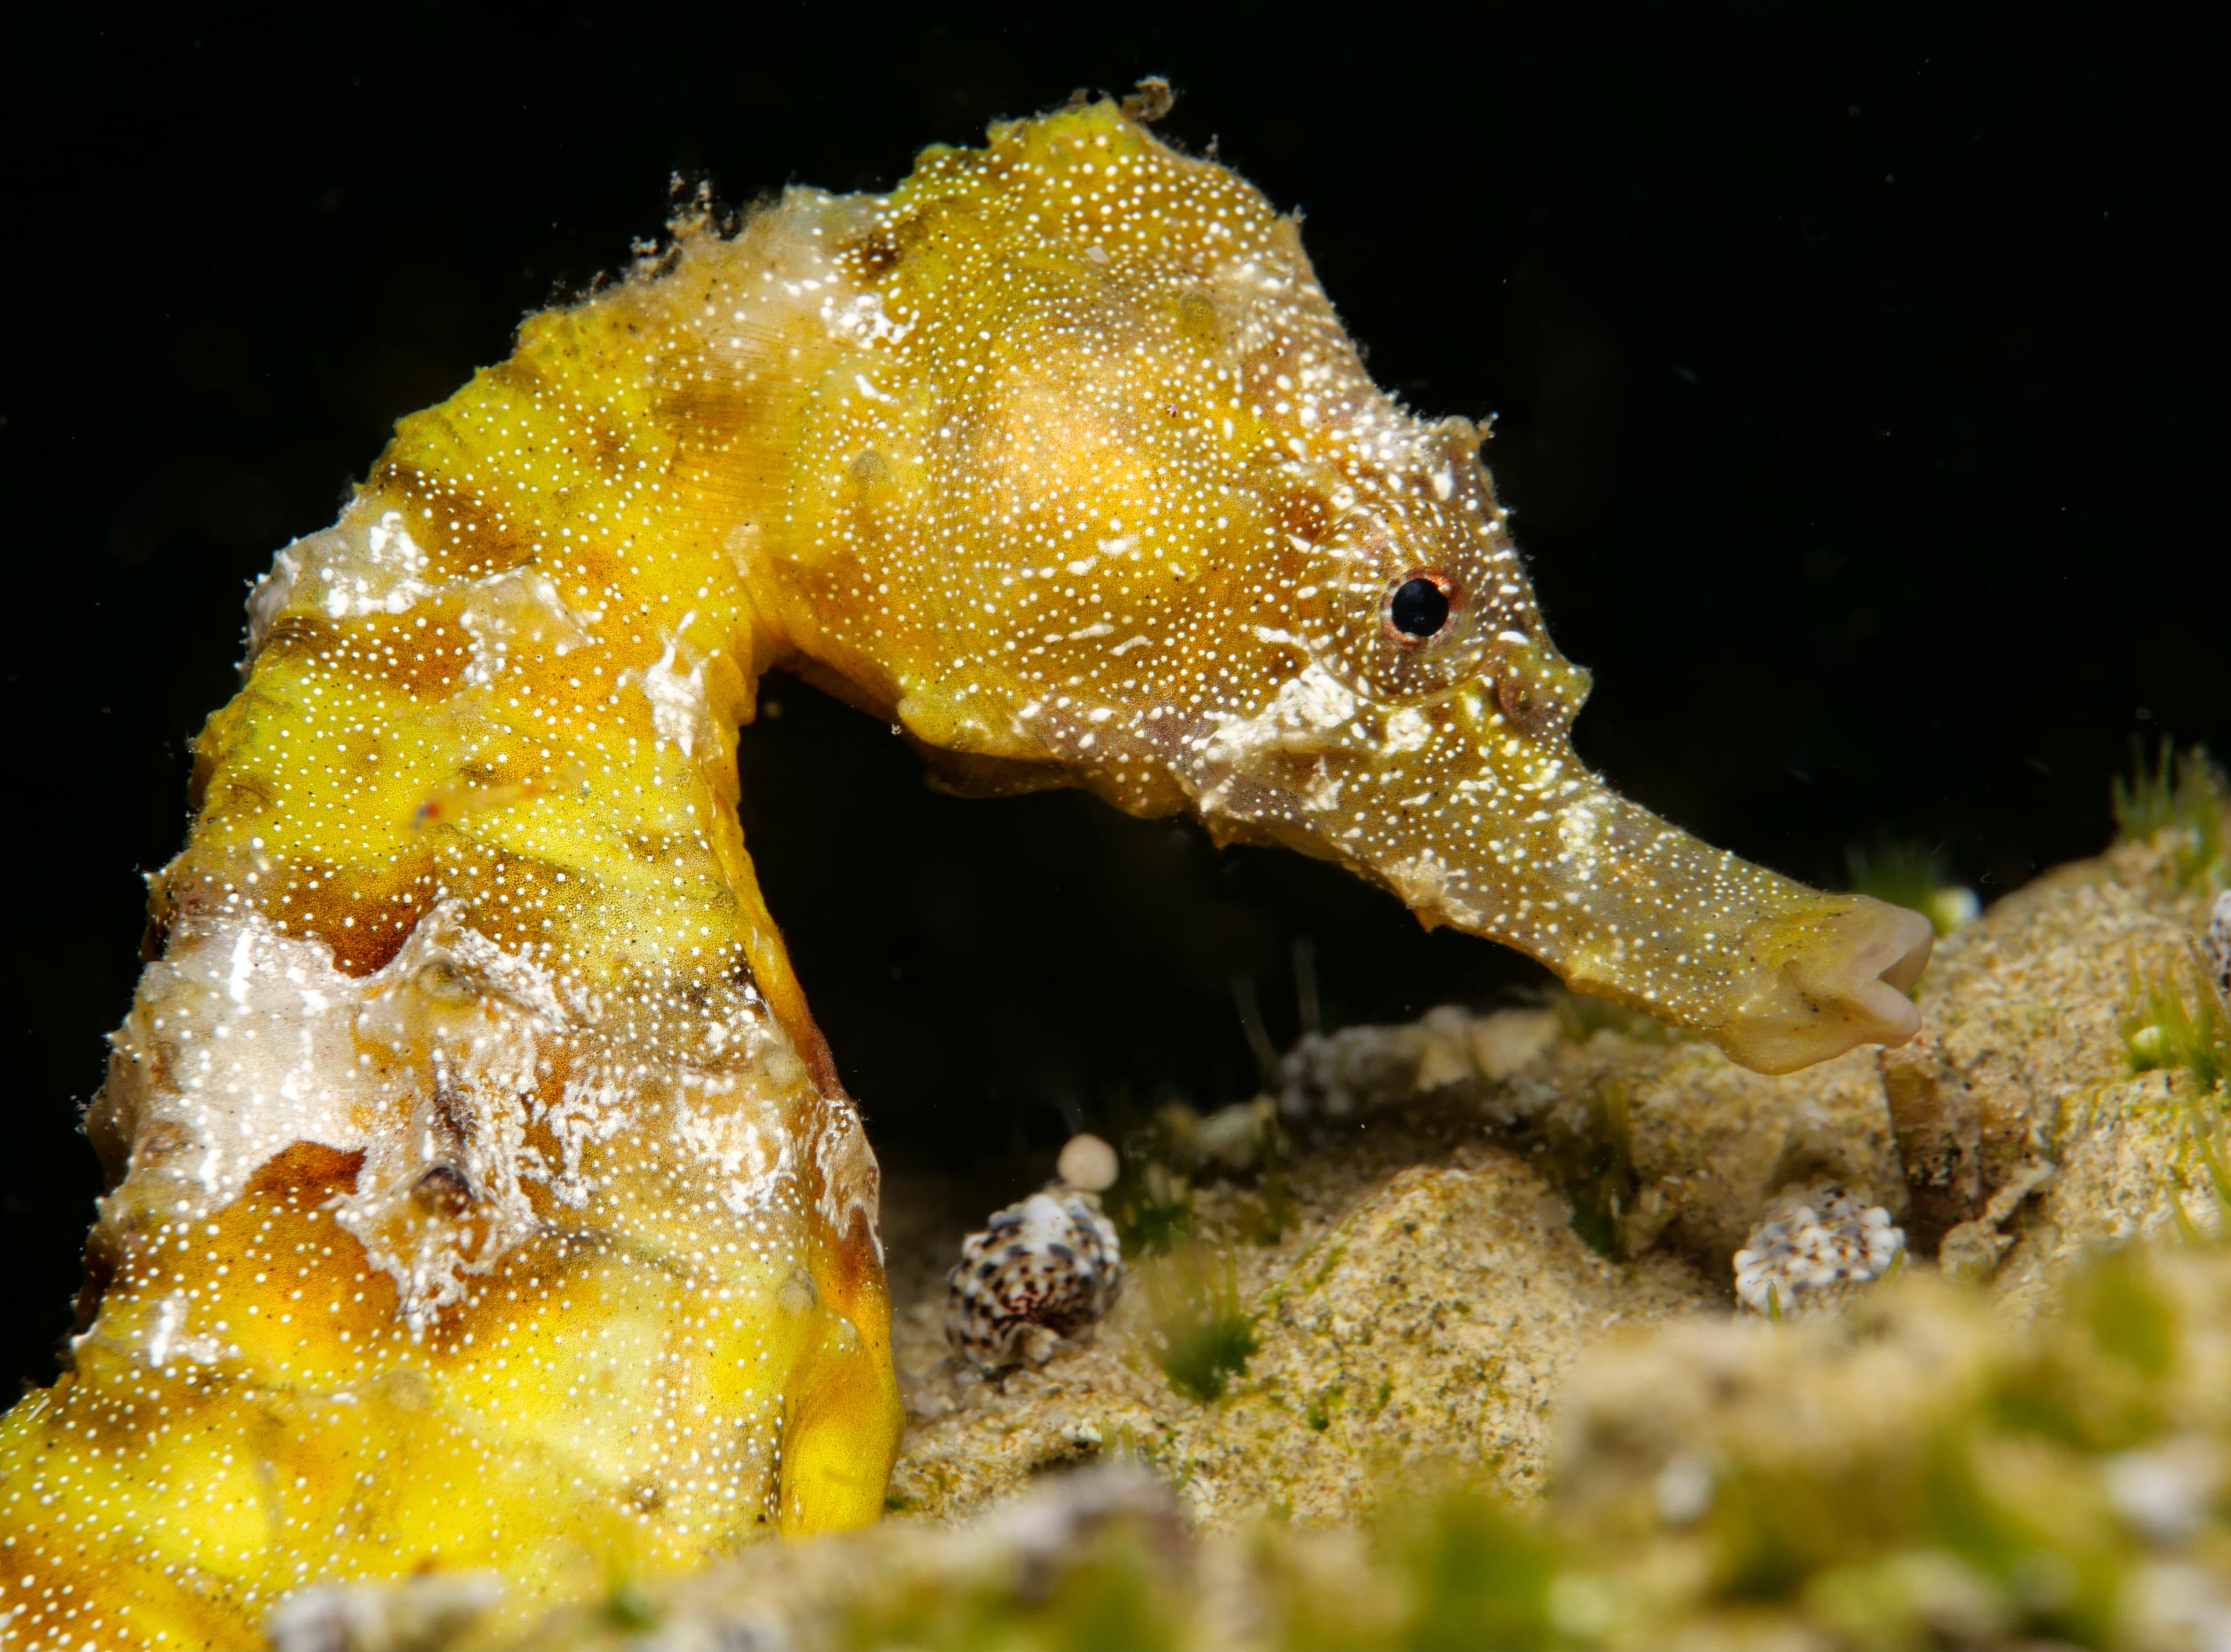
column 1813, row 1248
column 1088, row 1164
column 1042, row 1270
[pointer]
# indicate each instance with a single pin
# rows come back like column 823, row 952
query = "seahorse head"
column 1100, row 493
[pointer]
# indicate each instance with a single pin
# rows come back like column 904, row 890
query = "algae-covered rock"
column 2033, row 1002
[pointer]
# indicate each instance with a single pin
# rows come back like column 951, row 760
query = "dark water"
column 1861, row 384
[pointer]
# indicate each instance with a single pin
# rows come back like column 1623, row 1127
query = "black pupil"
column 1418, row 609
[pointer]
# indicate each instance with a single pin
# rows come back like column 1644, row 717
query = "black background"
column 1860, row 372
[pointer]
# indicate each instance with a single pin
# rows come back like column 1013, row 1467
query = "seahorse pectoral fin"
column 966, row 774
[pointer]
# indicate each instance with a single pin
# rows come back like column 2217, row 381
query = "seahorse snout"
column 1832, row 977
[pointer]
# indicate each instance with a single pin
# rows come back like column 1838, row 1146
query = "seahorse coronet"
column 483, row 1195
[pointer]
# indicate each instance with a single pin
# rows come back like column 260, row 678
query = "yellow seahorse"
column 483, row 1196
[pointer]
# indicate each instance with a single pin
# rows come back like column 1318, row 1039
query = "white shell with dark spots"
column 1812, row 1249
column 2216, row 944
column 1042, row 1270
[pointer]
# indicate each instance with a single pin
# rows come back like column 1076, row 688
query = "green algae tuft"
column 2183, row 795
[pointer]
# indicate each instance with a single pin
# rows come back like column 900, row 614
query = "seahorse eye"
column 1419, row 606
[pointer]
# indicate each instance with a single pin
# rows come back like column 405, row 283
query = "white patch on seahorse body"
column 1408, row 729
column 168, row 1317
column 269, row 598
column 243, row 959
column 169, row 1340
column 1307, row 714
column 353, row 568
column 1578, row 827
column 743, row 1142
column 851, row 1181
column 674, row 686
column 244, row 1041
column 357, row 568
column 863, row 321
column 378, row 574
column 1428, row 886
column 222, row 1043
column 591, row 1109
column 516, row 607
